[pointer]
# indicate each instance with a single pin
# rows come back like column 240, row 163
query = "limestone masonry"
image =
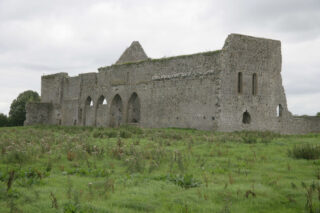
column 236, row 88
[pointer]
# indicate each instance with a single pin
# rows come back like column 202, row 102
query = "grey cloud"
column 76, row 36
column 302, row 105
column 295, row 19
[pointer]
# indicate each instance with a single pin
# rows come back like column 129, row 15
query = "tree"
column 318, row 114
column 17, row 114
column 3, row 120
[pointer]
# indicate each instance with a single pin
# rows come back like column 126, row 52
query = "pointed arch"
column 89, row 101
column 89, row 118
column 134, row 109
column 246, row 118
column 102, row 100
column 116, row 111
column 101, row 111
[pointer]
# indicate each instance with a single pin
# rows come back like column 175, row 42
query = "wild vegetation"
column 3, row 120
column 17, row 113
column 85, row 169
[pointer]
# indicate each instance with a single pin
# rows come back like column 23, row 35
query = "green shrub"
column 25, row 177
column 133, row 129
column 112, row 134
column 135, row 161
column 4, row 121
column 125, row 134
column 17, row 114
column 314, row 189
column 184, row 181
column 97, row 134
column 252, row 137
column 17, row 156
column 105, row 133
column 306, row 151
column 138, row 205
column 90, row 172
column 77, row 208
column 171, row 135
column 135, row 164
column 249, row 138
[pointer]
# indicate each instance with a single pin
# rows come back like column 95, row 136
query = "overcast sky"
column 76, row 36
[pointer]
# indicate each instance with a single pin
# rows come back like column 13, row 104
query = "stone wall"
column 236, row 88
column 43, row 113
column 300, row 125
column 249, row 56
column 70, row 101
column 37, row 113
column 52, row 88
column 177, row 91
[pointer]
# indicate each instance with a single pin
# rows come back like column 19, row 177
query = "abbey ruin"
column 236, row 88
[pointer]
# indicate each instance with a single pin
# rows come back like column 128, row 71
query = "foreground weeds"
column 305, row 151
column 129, row 169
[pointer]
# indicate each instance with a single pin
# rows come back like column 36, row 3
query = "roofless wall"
column 236, row 88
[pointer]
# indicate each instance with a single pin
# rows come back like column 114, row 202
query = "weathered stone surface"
column 236, row 88
column 132, row 54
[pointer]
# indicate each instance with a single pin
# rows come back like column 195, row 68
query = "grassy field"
column 76, row 169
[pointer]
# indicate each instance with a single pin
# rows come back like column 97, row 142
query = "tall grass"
column 129, row 169
column 305, row 151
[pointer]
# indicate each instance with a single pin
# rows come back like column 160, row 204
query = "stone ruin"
column 236, row 88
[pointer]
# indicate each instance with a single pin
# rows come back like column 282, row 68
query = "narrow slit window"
column 254, row 84
column 80, row 114
column 279, row 110
column 240, row 82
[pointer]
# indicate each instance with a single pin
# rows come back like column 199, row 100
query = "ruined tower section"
column 252, row 95
column 52, row 88
column 70, row 101
column 49, row 110
column 88, row 96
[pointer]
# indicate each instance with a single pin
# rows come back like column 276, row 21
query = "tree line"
column 17, row 113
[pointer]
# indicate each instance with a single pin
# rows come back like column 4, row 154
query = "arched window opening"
column 89, row 101
column 246, row 118
column 134, row 109
column 102, row 100
column 89, row 119
column 101, row 112
column 254, row 84
column 116, row 111
column 240, row 82
column 279, row 110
